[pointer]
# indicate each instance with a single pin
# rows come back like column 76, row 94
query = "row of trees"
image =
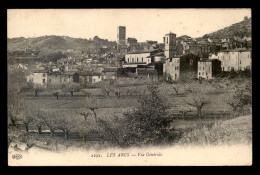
column 199, row 94
column 55, row 90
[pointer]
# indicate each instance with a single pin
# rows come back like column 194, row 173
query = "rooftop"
column 110, row 69
column 141, row 51
column 170, row 33
column 134, row 63
column 208, row 60
column 40, row 71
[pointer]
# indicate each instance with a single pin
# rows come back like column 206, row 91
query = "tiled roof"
column 40, row 71
column 141, row 51
column 110, row 69
column 134, row 63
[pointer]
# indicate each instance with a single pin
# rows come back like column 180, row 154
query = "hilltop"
column 47, row 44
column 240, row 29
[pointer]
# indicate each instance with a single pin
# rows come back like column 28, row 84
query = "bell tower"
column 170, row 45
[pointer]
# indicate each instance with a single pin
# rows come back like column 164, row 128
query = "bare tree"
column 198, row 99
column 37, row 89
column 14, row 103
column 85, row 115
column 83, row 127
column 27, row 117
column 177, row 88
column 50, row 119
column 38, row 121
column 184, row 113
column 72, row 87
column 106, row 128
column 95, row 114
column 106, row 88
column 65, row 123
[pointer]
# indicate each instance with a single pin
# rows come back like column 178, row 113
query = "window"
column 199, row 73
column 167, row 39
column 240, row 61
column 44, row 75
column 203, row 68
column 142, row 59
column 43, row 80
column 175, row 75
column 137, row 59
column 128, row 60
column 93, row 80
column 191, row 62
column 206, row 73
column 132, row 60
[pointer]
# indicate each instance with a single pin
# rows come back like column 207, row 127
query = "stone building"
column 208, row 69
column 121, row 39
column 233, row 60
column 170, row 45
column 109, row 73
column 38, row 78
column 140, row 57
column 171, row 69
column 57, row 78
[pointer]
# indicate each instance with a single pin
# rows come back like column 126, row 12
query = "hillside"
column 241, row 29
column 56, row 43
column 183, row 37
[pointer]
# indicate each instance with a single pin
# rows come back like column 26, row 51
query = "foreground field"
column 231, row 131
column 76, row 117
column 234, row 147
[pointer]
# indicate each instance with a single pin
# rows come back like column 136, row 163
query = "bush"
column 149, row 123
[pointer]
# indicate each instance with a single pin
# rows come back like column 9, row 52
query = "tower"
column 121, row 35
column 170, row 45
column 121, row 39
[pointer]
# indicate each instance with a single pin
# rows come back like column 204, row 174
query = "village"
column 152, row 60
column 91, row 94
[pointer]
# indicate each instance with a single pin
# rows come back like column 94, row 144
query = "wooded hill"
column 48, row 44
column 241, row 29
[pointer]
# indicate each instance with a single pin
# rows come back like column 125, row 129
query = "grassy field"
column 234, row 131
column 213, row 127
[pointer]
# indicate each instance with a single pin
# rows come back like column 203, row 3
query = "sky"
column 142, row 24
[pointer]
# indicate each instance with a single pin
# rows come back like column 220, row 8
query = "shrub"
column 149, row 123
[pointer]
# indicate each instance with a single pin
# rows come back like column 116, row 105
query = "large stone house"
column 208, row 69
column 233, row 60
column 139, row 57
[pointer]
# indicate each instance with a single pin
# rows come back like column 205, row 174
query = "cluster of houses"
column 134, row 59
column 207, row 68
